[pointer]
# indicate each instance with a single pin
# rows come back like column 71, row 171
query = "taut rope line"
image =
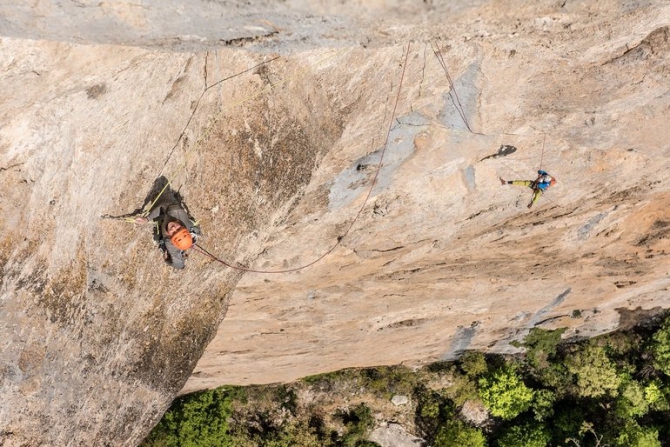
column 542, row 156
column 457, row 103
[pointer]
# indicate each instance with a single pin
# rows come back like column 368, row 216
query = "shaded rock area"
column 274, row 147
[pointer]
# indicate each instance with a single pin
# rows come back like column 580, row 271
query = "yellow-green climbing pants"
column 537, row 192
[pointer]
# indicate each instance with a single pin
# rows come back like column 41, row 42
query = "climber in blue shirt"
column 539, row 185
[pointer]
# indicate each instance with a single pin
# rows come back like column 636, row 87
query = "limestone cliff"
column 273, row 147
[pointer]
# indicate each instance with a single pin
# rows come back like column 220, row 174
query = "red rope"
column 200, row 249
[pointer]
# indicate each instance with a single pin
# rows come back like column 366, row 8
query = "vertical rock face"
column 276, row 162
column 444, row 258
column 95, row 327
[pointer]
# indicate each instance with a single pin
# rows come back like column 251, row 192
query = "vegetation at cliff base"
column 612, row 390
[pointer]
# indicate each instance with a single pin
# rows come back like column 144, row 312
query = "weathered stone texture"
column 97, row 336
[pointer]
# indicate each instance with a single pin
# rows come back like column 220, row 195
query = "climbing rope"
column 360, row 211
column 542, row 156
column 523, row 158
column 452, row 88
column 508, row 167
column 459, row 108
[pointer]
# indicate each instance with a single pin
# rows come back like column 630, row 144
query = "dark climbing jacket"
column 163, row 213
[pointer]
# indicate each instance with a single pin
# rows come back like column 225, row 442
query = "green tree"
column 653, row 394
column 586, row 428
column 462, row 389
column 632, row 402
column 526, row 435
column 555, row 376
column 541, row 345
column 504, row 394
column 633, row 435
column 473, row 364
column 568, row 421
column 596, row 374
column 543, row 404
column 660, row 347
column 196, row 420
column 388, row 380
column 358, row 423
column 432, row 411
column 294, row 434
column 456, row 433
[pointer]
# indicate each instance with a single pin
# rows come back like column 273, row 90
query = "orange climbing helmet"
column 182, row 239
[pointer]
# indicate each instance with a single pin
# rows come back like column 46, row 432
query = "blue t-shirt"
column 545, row 182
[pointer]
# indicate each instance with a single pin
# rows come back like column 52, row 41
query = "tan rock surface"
column 444, row 258
column 98, row 336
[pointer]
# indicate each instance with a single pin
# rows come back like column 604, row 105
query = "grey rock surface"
column 399, row 400
column 199, row 25
column 275, row 156
column 393, row 435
